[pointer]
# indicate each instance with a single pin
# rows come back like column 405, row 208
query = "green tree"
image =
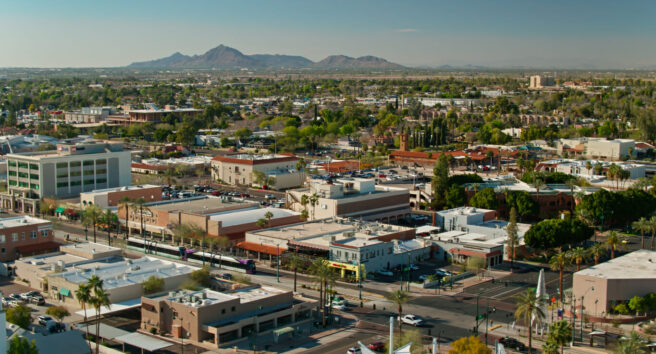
column 529, row 309
column 551, row 233
column 560, row 333
column 398, row 297
column 614, row 241
column 440, row 181
column 486, row 198
column 186, row 134
column 58, row 312
column 558, row 262
column 201, row 276
column 469, row 345
column 522, row 202
column 634, row 344
column 153, row 285
column 324, row 276
column 125, row 202
column 638, row 304
column 513, row 241
column 641, row 224
column 83, row 296
column 100, row 299
column 597, row 250
column 295, row 262
column 578, row 255
column 110, row 220
column 20, row 345
column 20, row 315
column 261, row 222
column 455, row 196
column 90, row 217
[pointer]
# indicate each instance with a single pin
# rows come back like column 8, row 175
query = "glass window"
column 101, row 171
column 22, row 235
column 22, row 164
column 11, row 163
column 88, row 163
column 3, row 238
column 75, row 173
column 14, row 236
column 75, row 164
column 44, row 233
column 13, row 183
column 62, row 175
column 101, row 180
column 33, row 176
column 101, row 162
column 88, row 173
column 88, row 181
column 62, row 165
column 75, row 183
column 23, row 184
column 62, row 184
column 33, row 233
column 22, row 174
column 12, row 173
column 3, row 250
column 34, row 166
column 34, row 186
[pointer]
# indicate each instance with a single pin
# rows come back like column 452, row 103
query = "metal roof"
column 106, row 331
column 143, row 341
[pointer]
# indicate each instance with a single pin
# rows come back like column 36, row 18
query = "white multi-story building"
column 240, row 169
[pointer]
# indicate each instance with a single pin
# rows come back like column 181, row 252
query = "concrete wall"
column 607, row 291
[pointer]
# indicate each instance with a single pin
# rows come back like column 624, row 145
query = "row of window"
column 23, row 175
column 23, row 184
column 15, row 237
column 32, row 166
column 77, row 183
column 84, row 163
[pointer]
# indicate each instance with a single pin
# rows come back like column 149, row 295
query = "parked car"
column 444, row 271
column 512, row 343
column 270, row 196
column 17, row 298
column 412, row 320
column 38, row 300
column 43, row 319
column 414, row 267
column 385, row 272
column 226, row 276
column 354, row 350
column 338, row 306
column 376, row 346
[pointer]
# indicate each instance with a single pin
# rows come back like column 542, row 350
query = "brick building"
column 23, row 236
column 112, row 196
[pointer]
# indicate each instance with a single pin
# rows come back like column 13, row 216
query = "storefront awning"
column 64, row 291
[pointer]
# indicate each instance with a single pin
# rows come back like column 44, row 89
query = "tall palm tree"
column 100, row 298
column 634, row 344
column 511, row 229
column 560, row 334
column 304, row 201
column 83, row 296
column 110, row 220
column 614, row 241
column 268, row 215
column 314, row 200
column 91, row 216
column 139, row 204
column 571, row 183
column 295, row 262
column 322, row 274
column 399, row 297
column 597, row 250
column 641, row 224
column 125, row 202
column 529, row 308
column 578, row 255
column 558, row 262
column 652, row 228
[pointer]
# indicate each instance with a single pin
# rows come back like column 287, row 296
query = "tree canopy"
column 551, row 233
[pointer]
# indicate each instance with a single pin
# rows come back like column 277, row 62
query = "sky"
column 595, row 34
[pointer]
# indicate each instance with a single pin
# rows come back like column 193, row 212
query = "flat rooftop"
column 463, row 211
column 199, row 205
column 206, row 297
column 88, row 247
column 118, row 272
column 635, row 265
column 125, row 188
column 240, row 216
column 257, row 157
column 47, row 260
column 325, row 227
column 16, row 221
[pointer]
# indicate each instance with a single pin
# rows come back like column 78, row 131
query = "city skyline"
column 510, row 33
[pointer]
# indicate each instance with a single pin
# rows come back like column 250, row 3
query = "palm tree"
column 578, row 255
column 641, row 224
column 529, row 308
column 634, row 344
column 538, row 184
column 558, row 262
column 560, row 334
column 304, row 201
column 314, row 200
column 125, row 202
column 268, row 215
column 83, row 296
column 295, row 262
column 139, row 204
column 652, row 228
column 110, row 220
column 571, row 183
column 261, row 222
column 511, row 229
column 322, row 273
column 100, row 298
column 91, row 216
column 399, row 297
column 588, row 166
column 614, row 241
column 597, row 250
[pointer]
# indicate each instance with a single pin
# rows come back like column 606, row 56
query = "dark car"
column 377, row 346
column 512, row 343
column 226, row 276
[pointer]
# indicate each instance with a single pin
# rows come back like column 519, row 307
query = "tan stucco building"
column 238, row 170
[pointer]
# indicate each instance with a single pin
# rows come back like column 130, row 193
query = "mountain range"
column 223, row 57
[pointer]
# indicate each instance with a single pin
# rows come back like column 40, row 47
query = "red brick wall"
column 148, row 194
column 9, row 245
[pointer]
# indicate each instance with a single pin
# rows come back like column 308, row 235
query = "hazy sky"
column 553, row 33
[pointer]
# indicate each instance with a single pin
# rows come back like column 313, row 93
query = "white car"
column 354, row 350
column 338, row 306
column 412, row 320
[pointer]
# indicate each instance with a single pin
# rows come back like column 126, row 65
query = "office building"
column 539, row 81
column 153, row 115
column 223, row 318
column 88, row 115
column 241, row 169
column 24, row 236
column 603, row 286
column 112, row 196
column 64, row 173
column 353, row 198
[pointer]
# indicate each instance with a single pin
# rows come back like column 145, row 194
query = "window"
column 101, row 180
column 3, row 250
column 223, row 311
column 34, row 166
column 62, row 175
column 3, row 239
column 62, row 165
column 75, row 164
column 75, row 173
column 22, row 165
column 62, row 184
column 11, row 163
column 24, row 184
column 88, row 181
column 12, row 183
column 33, row 233
column 34, row 186
column 44, row 233
column 88, row 172
column 23, row 236
column 33, row 176
column 101, row 171
column 101, row 162
column 88, row 163
column 12, row 173
column 14, row 236
column 233, row 309
column 22, row 174
column 76, row 183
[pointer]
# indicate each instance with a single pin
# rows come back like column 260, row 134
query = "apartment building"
column 223, row 318
column 24, row 236
column 539, row 81
column 239, row 169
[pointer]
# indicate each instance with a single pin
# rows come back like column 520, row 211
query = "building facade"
column 241, row 169
column 539, row 81
column 112, row 196
column 24, row 236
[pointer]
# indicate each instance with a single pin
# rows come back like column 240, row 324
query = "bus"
column 191, row 255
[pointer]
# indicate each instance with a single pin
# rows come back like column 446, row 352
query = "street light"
column 582, row 297
column 278, row 263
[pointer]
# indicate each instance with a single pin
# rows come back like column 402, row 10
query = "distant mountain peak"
column 224, row 57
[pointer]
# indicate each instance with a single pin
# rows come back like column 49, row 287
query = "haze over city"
column 510, row 33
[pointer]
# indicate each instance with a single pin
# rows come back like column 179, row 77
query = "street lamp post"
column 278, row 263
column 86, row 234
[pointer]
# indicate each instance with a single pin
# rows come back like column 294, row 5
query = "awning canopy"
column 284, row 330
column 143, row 341
column 105, row 331
column 256, row 247
column 64, row 291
